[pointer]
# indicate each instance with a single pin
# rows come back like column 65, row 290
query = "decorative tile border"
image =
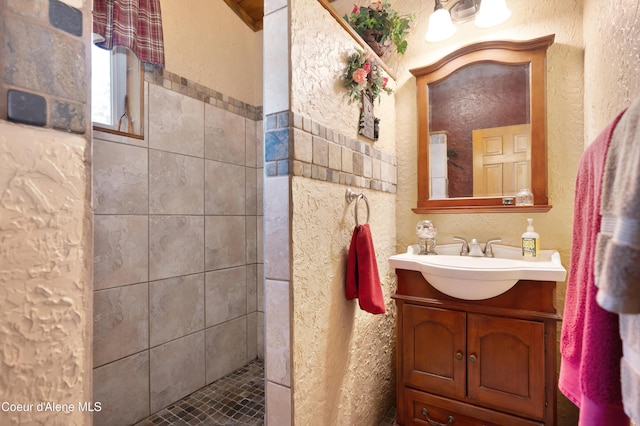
column 297, row 145
column 178, row 84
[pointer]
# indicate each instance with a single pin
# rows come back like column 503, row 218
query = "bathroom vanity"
column 475, row 362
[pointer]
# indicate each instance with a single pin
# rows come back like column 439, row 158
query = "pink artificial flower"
column 385, row 80
column 367, row 67
column 376, row 5
column 359, row 75
column 356, row 9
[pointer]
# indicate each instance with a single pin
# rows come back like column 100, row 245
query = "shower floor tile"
column 236, row 399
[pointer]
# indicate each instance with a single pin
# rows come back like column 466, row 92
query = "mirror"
column 482, row 128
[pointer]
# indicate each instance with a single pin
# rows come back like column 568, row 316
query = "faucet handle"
column 465, row 246
column 488, row 247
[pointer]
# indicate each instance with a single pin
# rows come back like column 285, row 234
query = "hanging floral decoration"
column 364, row 74
column 381, row 26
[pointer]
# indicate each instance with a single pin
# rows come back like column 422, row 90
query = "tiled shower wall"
column 178, row 249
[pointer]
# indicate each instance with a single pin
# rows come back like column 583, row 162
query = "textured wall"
column 45, row 303
column 612, row 61
column 342, row 357
column 228, row 53
column 343, row 363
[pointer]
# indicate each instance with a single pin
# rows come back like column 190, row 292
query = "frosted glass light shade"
column 440, row 26
column 492, row 13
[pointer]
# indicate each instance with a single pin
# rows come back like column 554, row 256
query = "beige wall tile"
column 252, row 288
column 176, row 245
column 226, row 348
column 226, row 295
column 176, row 122
column 260, row 319
column 251, row 141
column 277, row 356
column 176, row 308
column 276, row 228
column 225, row 242
column 252, row 335
column 120, row 179
column 123, row 389
column 335, row 156
column 278, row 405
column 120, row 326
column 121, row 250
column 225, row 135
column 176, row 183
column 259, row 144
column 251, row 191
column 177, row 369
column 302, row 146
column 225, row 188
column 252, row 239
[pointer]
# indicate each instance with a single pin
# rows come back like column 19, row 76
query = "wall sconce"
column 485, row 13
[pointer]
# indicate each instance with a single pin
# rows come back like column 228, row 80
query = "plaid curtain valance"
column 134, row 24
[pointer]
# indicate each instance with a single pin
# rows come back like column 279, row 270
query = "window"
column 116, row 91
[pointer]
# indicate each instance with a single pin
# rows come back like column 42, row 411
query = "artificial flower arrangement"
column 363, row 74
column 379, row 25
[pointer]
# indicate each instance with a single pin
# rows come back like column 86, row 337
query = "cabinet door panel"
column 434, row 350
column 506, row 364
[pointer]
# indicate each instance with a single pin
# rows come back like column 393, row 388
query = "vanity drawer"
column 426, row 409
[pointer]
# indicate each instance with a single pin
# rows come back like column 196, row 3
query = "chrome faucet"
column 464, row 250
column 488, row 247
column 475, row 249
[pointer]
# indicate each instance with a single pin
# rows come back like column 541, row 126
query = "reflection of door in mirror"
column 478, row 96
column 501, row 160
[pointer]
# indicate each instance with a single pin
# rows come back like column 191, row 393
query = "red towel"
column 363, row 280
column 590, row 343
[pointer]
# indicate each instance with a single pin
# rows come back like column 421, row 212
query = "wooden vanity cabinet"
column 485, row 362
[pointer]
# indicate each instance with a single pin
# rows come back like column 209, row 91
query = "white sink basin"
column 477, row 278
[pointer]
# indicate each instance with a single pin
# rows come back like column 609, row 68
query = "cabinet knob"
column 473, row 358
column 450, row 420
column 459, row 355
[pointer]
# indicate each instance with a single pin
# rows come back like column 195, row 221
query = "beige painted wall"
column 342, row 357
column 218, row 51
column 343, row 363
column 45, row 275
column 612, row 61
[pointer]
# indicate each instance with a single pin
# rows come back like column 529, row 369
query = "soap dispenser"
column 530, row 242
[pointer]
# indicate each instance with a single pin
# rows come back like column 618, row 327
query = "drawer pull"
column 473, row 358
column 450, row 419
column 459, row 355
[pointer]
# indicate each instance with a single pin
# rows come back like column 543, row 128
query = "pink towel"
column 363, row 280
column 590, row 343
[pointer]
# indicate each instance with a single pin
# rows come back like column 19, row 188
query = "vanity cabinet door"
column 434, row 348
column 506, row 364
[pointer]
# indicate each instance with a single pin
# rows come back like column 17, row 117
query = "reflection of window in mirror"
column 116, row 91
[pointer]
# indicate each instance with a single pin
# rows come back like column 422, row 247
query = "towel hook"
column 351, row 195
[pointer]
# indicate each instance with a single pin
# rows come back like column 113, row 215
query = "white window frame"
column 118, row 84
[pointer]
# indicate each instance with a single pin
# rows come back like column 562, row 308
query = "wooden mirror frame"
column 503, row 52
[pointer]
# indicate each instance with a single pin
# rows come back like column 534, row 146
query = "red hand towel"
column 363, row 280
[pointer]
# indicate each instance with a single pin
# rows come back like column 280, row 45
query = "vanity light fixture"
column 485, row 13
column 440, row 25
column 492, row 13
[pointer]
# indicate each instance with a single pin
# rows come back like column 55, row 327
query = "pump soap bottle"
column 530, row 242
